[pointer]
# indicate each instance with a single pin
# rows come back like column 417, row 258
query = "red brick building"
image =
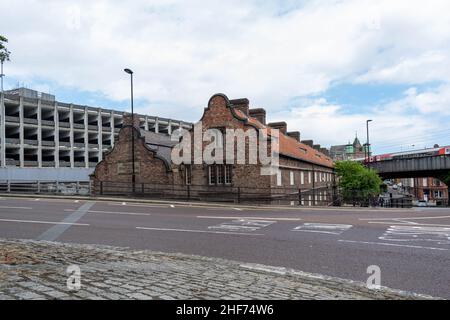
column 429, row 189
column 300, row 166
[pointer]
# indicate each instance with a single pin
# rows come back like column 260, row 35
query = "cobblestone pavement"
column 37, row 270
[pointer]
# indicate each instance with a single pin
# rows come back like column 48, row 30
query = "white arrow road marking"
column 407, row 233
column 336, row 229
column 243, row 224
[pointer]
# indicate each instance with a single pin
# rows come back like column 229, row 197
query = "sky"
column 323, row 66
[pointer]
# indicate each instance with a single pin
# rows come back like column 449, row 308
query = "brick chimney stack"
column 282, row 126
column 295, row 135
column 308, row 142
column 259, row 114
column 242, row 105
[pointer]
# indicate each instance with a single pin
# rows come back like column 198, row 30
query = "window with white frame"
column 309, row 177
column 425, row 182
column 220, row 174
column 291, row 178
column 302, row 177
column 228, row 174
column 212, row 174
column 279, row 182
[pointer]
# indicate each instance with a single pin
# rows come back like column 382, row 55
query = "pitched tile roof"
column 290, row 147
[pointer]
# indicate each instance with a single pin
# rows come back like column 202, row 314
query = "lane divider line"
column 45, row 222
column 21, row 208
column 113, row 212
column 201, row 231
column 253, row 218
column 394, row 245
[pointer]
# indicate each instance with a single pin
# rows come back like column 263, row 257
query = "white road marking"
column 113, row 212
column 243, row 224
column 124, row 203
column 22, row 208
column 201, row 231
column 237, row 209
column 404, row 218
column 408, row 233
column 76, row 201
column 44, row 222
column 58, row 229
column 336, row 229
column 394, row 245
column 172, row 206
column 37, row 199
column 404, row 223
column 139, row 205
column 254, row 218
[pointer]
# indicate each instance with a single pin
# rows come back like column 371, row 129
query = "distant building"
column 429, row 189
column 44, row 139
column 348, row 151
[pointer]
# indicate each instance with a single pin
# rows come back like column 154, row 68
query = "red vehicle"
column 431, row 152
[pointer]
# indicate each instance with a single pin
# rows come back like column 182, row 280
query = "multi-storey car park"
column 44, row 139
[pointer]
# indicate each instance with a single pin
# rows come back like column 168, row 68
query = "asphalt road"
column 411, row 246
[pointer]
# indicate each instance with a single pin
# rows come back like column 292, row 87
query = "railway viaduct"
column 436, row 166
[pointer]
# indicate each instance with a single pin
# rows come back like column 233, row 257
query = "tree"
column 357, row 181
column 4, row 56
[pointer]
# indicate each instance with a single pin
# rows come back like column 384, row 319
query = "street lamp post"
column 368, row 143
column 133, row 172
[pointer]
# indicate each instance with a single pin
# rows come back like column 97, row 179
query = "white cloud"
column 182, row 52
column 433, row 102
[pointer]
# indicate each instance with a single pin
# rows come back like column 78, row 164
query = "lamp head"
column 129, row 71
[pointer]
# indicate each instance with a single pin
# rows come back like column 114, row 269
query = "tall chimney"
column 295, row 135
column 308, row 142
column 259, row 114
column 241, row 104
column 282, row 126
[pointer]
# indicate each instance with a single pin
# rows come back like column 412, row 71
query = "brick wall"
column 117, row 163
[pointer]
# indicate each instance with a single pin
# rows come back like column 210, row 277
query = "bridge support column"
column 448, row 196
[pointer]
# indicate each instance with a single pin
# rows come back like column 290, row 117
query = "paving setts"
column 38, row 270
